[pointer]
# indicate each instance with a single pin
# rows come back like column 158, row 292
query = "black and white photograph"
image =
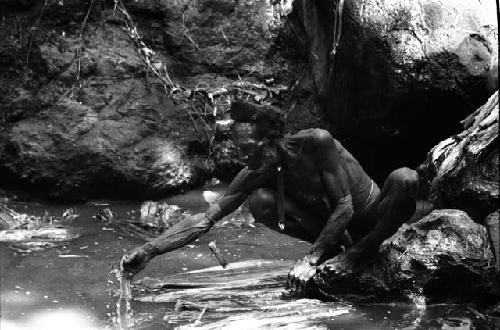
column 249, row 164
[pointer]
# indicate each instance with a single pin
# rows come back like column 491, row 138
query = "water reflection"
column 54, row 320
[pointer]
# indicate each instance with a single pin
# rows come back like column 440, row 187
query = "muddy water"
column 74, row 286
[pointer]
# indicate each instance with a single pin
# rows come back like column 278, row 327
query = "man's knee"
column 262, row 204
column 405, row 181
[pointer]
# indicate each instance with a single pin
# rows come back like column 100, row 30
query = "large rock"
column 100, row 128
column 403, row 74
column 221, row 36
column 87, row 116
column 463, row 170
column 443, row 257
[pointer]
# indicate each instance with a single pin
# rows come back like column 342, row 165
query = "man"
column 306, row 184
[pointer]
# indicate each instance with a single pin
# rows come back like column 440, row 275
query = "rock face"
column 217, row 36
column 399, row 67
column 444, row 256
column 463, row 170
column 122, row 101
column 83, row 113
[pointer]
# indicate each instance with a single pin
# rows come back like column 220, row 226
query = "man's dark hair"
column 268, row 120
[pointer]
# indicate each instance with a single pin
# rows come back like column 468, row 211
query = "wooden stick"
column 217, row 254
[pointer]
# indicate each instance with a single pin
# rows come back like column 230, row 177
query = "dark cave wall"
column 402, row 77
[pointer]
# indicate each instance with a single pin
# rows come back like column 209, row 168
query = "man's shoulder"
column 313, row 135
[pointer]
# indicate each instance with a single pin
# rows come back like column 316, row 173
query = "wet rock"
column 463, row 170
column 443, row 257
column 399, row 67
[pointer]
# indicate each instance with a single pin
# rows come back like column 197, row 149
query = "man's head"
column 255, row 132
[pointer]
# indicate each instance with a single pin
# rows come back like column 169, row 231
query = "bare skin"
column 326, row 190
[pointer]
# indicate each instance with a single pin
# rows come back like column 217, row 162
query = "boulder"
column 86, row 115
column 117, row 134
column 231, row 37
column 384, row 70
column 443, row 257
column 463, row 170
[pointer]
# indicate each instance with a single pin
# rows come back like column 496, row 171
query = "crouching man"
column 307, row 185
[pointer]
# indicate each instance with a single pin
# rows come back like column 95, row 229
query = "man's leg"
column 395, row 205
column 298, row 222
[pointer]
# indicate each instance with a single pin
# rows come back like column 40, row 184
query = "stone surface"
column 84, row 114
column 224, row 36
column 403, row 75
column 98, row 127
column 463, row 170
column 443, row 257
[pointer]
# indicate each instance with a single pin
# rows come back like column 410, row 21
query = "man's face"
column 251, row 151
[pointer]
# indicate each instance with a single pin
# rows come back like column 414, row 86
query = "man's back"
column 304, row 152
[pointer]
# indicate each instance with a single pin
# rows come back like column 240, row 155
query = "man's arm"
column 190, row 229
column 193, row 227
column 336, row 185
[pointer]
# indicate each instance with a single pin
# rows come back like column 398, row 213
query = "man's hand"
column 344, row 264
column 299, row 275
column 136, row 260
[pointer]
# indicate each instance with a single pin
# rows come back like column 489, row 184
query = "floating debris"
column 160, row 215
column 106, row 215
column 69, row 214
column 245, row 294
column 30, row 247
column 49, row 233
column 73, row 256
